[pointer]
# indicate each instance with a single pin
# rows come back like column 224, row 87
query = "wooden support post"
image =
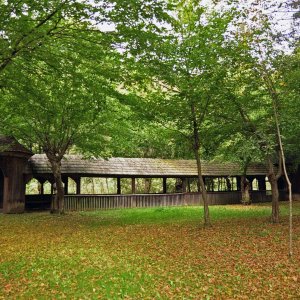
column 184, row 184
column 133, row 187
column 119, row 186
column 165, row 185
column 42, row 186
column 41, row 182
column 5, row 196
column 238, row 183
column 1, row 189
column 209, row 183
column 66, row 185
column 261, row 183
column 250, row 179
column 282, row 184
column 78, row 188
column 188, row 182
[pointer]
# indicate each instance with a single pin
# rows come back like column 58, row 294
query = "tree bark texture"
column 245, row 186
column 57, row 205
column 273, row 178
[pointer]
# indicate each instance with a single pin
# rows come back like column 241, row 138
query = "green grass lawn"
column 159, row 253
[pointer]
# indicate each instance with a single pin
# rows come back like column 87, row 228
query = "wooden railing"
column 95, row 202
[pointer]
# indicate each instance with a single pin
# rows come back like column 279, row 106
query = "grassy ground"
column 161, row 253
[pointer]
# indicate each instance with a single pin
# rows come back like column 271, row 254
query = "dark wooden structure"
column 13, row 161
column 183, row 171
column 18, row 166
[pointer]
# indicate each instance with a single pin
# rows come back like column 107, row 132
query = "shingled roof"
column 11, row 145
column 75, row 164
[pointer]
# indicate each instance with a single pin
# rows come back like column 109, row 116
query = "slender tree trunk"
column 57, row 205
column 202, row 188
column 275, row 199
column 275, row 101
column 200, row 181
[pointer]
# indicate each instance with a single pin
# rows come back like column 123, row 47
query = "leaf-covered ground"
column 161, row 253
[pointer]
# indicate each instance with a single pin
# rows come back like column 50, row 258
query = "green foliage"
column 61, row 72
column 182, row 68
column 288, row 66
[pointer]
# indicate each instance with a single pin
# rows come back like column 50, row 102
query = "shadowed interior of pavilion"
column 175, row 182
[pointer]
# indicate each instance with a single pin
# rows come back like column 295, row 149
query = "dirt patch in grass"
column 117, row 254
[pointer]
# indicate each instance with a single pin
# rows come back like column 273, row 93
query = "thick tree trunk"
column 273, row 178
column 246, row 199
column 245, row 184
column 57, row 205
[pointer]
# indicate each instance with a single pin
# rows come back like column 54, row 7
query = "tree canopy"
column 152, row 79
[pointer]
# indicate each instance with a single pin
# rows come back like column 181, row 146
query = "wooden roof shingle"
column 76, row 164
column 11, row 145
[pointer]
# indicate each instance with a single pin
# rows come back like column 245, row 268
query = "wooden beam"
column 118, row 185
column 41, row 181
column 261, row 183
column 5, row 196
column 42, row 188
column 250, row 179
column 184, row 184
column 238, row 183
column 78, row 188
column 133, row 187
column 66, row 184
column 165, row 185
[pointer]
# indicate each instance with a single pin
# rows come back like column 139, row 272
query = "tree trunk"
column 57, row 205
column 200, row 181
column 275, row 199
column 273, row 178
column 268, row 79
column 245, row 190
column 201, row 187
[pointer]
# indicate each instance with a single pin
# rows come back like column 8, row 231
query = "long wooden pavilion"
column 223, row 181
